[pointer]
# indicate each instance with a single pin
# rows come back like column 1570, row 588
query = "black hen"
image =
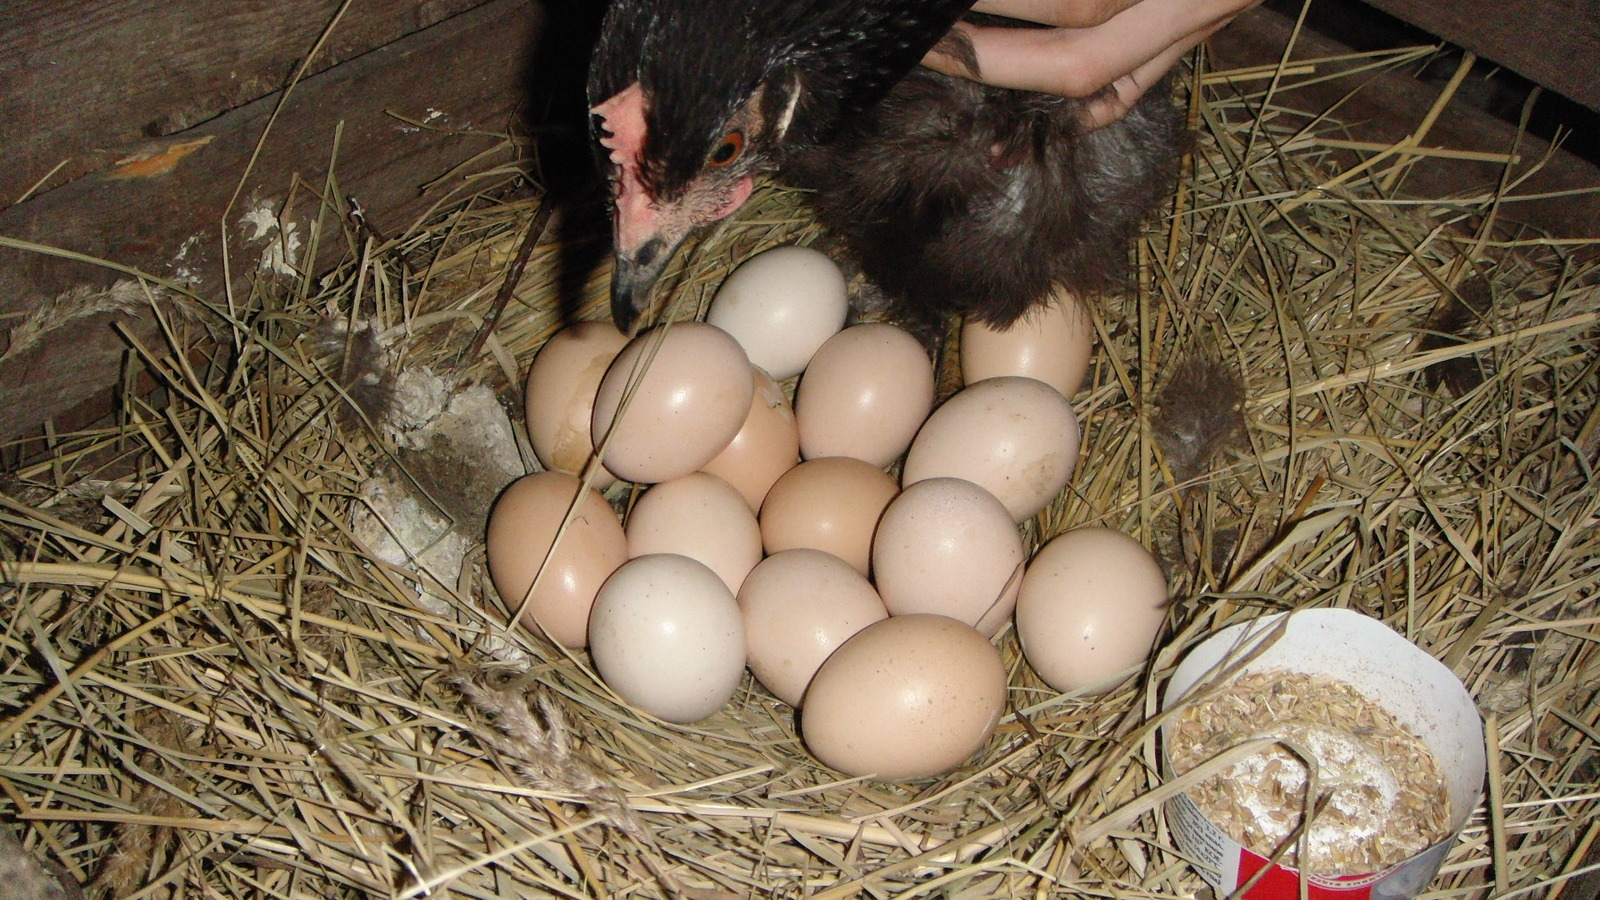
column 950, row 196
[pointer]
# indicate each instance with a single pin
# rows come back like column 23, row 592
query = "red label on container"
column 1281, row 882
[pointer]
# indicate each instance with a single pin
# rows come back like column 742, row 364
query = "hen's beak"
column 645, row 233
column 634, row 273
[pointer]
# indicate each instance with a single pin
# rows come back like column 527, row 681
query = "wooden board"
column 468, row 72
column 1555, row 43
column 81, row 79
column 1389, row 107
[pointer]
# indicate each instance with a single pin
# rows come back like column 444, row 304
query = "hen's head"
column 692, row 99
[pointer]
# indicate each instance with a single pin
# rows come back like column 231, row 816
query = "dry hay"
column 211, row 688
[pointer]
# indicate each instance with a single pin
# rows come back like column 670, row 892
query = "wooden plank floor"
column 80, row 79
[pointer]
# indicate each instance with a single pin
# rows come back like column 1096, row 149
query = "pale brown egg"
column 947, row 546
column 1052, row 343
column 687, row 388
column 668, row 637
column 830, row 504
column 781, row 305
column 559, row 395
column 1091, row 604
column 799, row 606
column 522, row 527
column 699, row 516
column 865, row 393
column 767, row 445
column 1015, row 437
column 906, row 697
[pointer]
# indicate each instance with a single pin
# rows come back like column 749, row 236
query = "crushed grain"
column 1378, row 795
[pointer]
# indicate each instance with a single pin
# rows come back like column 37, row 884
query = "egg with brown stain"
column 559, row 395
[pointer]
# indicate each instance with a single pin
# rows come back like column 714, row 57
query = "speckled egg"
column 1015, row 437
column 907, row 697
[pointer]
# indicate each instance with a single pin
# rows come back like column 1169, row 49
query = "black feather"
column 952, row 197
column 699, row 60
column 1451, row 324
column 955, row 198
column 1200, row 413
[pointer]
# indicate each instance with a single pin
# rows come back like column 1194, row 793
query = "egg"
column 767, row 445
column 667, row 636
column 523, row 525
column 1052, row 342
column 559, row 395
column 1015, row 437
column 865, row 393
column 687, row 387
column 699, row 516
column 1091, row 604
column 781, row 305
column 947, row 546
column 830, row 504
column 799, row 606
column 907, row 697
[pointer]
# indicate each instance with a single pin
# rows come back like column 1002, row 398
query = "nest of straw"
column 213, row 685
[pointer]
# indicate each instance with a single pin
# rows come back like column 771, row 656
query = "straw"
column 215, row 686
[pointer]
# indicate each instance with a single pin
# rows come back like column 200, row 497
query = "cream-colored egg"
column 1091, row 605
column 781, row 306
column 947, row 546
column 523, row 525
column 830, row 504
column 907, row 697
column 767, row 445
column 699, row 516
column 559, row 395
column 687, row 387
column 1052, row 343
column 865, row 393
column 1015, row 437
column 668, row 637
column 799, row 606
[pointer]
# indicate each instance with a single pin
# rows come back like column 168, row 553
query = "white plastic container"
column 1364, row 653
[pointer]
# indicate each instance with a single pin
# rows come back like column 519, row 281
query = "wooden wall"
column 126, row 128
column 1555, row 43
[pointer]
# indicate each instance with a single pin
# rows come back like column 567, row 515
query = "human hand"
column 1107, row 51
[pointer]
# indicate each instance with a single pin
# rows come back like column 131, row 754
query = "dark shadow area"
column 563, row 160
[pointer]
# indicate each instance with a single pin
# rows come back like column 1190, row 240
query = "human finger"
column 1112, row 104
column 1076, row 62
column 1065, row 13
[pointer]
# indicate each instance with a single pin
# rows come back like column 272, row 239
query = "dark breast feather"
column 954, row 198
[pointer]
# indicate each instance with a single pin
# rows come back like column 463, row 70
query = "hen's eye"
column 728, row 149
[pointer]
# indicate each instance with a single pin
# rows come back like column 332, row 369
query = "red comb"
column 622, row 118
